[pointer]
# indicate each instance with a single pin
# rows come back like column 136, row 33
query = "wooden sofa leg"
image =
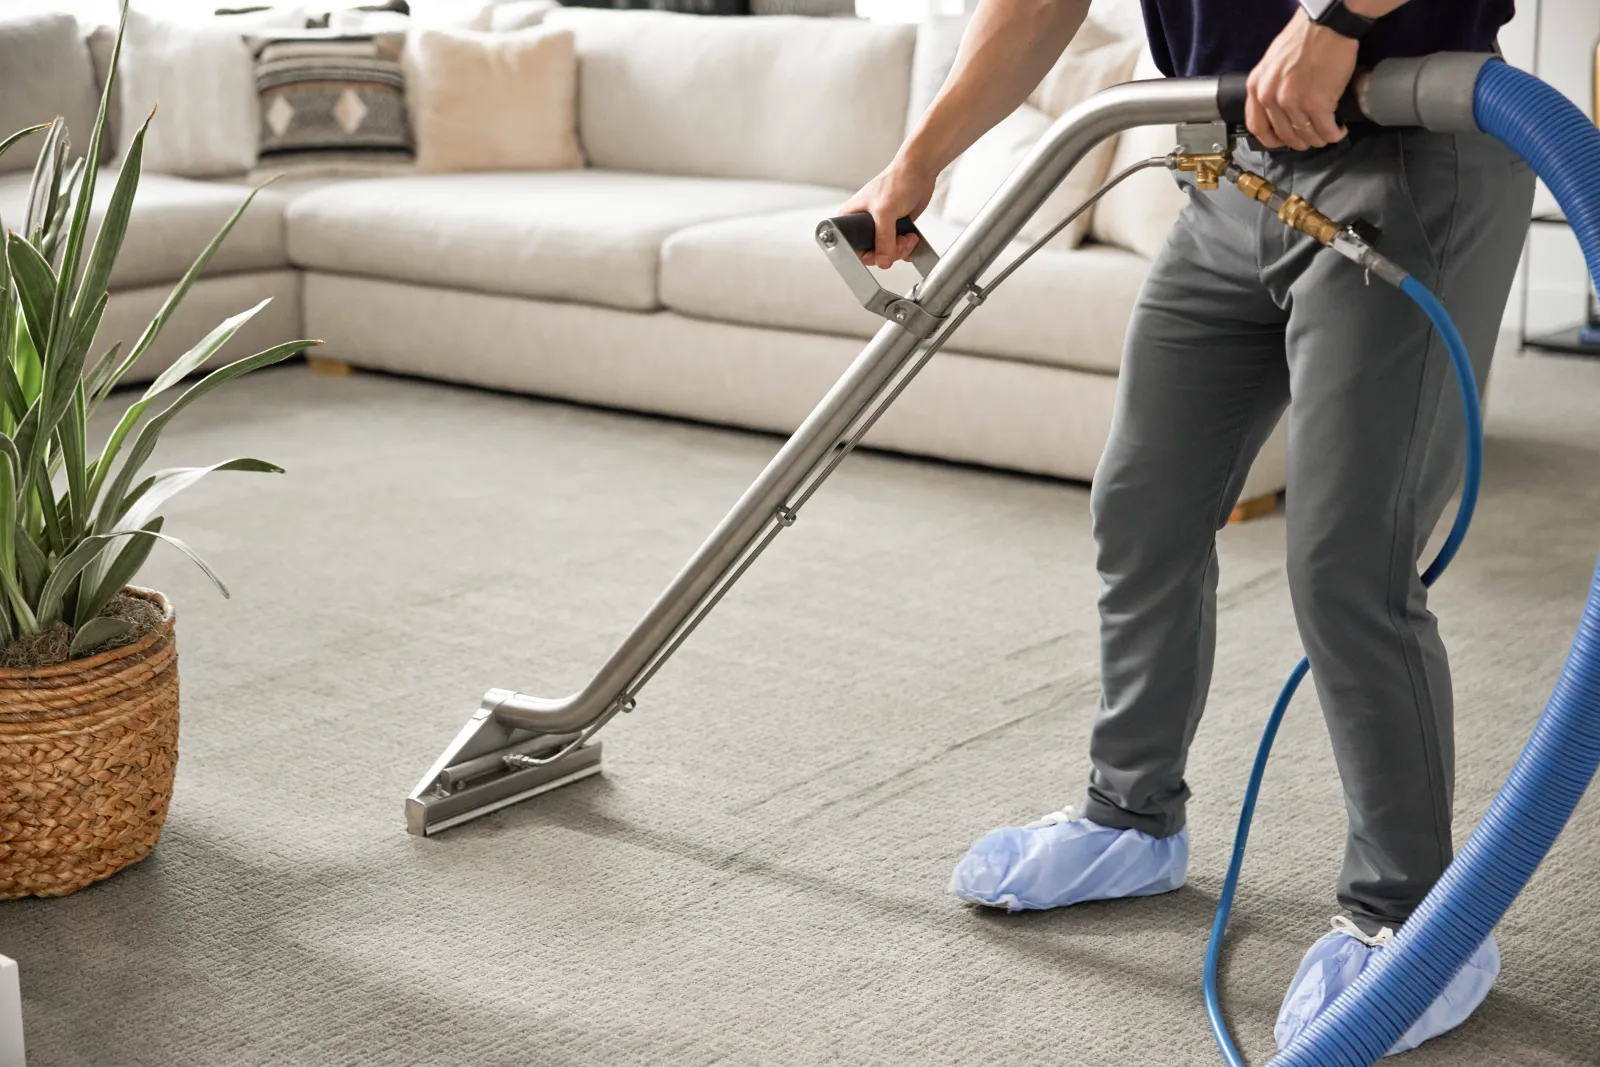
column 333, row 368
column 1254, row 508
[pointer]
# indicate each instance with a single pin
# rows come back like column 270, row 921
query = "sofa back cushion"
column 44, row 72
column 783, row 98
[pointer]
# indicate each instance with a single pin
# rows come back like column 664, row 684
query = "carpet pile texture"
column 759, row 876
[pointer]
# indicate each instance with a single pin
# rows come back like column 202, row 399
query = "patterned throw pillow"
column 332, row 104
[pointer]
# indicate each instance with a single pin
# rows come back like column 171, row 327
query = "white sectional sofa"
column 676, row 273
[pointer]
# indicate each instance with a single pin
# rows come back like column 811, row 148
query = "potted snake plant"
column 88, row 661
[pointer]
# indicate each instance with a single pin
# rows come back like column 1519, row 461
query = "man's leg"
column 1375, row 453
column 1202, row 383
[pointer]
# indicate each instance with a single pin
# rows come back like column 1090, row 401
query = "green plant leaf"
column 26, row 622
column 181, row 368
column 50, row 239
column 98, row 631
column 20, row 134
column 113, row 228
column 152, row 331
column 145, row 443
column 116, row 574
column 36, row 287
column 191, row 360
column 26, row 364
column 49, row 512
column 8, row 514
column 66, row 570
column 46, row 180
column 8, row 447
column 147, row 497
column 32, row 568
column 72, row 433
column 90, row 548
column 72, row 254
column 8, row 531
column 24, row 440
column 194, row 557
column 16, row 405
column 67, row 371
column 101, row 371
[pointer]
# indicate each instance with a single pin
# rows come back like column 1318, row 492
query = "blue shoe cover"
column 1334, row 962
column 1066, row 859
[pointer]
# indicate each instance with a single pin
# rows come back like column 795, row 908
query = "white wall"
column 1564, row 49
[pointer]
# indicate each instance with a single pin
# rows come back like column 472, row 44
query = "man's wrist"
column 916, row 157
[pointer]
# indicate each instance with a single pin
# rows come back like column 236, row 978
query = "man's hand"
column 1296, row 86
column 902, row 189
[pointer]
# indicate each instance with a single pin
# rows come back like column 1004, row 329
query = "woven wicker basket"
column 87, row 753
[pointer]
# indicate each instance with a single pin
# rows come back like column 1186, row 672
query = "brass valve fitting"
column 1207, row 167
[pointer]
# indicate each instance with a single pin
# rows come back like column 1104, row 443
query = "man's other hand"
column 1296, row 86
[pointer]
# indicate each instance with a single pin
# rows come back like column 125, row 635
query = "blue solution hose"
column 1461, row 363
column 1563, row 753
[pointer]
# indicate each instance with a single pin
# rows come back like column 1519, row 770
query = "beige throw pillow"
column 504, row 101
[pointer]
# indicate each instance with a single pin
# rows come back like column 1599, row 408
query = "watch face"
column 1317, row 8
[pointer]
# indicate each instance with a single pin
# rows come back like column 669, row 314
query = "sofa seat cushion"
column 172, row 222
column 588, row 235
column 1063, row 308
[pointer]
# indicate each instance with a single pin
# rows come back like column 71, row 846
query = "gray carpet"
column 759, row 877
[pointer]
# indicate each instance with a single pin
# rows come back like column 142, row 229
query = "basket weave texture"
column 87, row 753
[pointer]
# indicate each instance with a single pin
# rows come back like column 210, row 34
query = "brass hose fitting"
column 1298, row 213
column 1294, row 211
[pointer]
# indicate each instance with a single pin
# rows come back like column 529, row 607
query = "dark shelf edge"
column 1565, row 341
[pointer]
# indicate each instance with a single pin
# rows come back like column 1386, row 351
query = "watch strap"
column 1343, row 21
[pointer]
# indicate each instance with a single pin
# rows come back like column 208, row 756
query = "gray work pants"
column 1238, row 316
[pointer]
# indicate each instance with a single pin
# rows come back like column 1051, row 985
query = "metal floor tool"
column 517, row 746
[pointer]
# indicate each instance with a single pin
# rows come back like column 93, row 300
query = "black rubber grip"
column 1233, row 90
column 1348, row 112
column 861, row 233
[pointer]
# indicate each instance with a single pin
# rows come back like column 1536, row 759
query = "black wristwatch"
column 1338, row 18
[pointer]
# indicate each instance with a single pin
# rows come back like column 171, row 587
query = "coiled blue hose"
column 1561, row 758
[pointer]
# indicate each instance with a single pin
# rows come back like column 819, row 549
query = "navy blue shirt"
column 1206, row 37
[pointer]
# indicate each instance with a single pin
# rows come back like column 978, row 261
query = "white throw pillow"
column 519, row 14
column 981, row 170
column 1098, row 58
column 493, row 101
column 199, row 76
column 1137, row 214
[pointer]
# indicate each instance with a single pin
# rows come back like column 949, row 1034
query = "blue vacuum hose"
column 1561, row 758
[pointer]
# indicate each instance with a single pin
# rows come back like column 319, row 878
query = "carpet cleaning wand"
column 517, row 745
